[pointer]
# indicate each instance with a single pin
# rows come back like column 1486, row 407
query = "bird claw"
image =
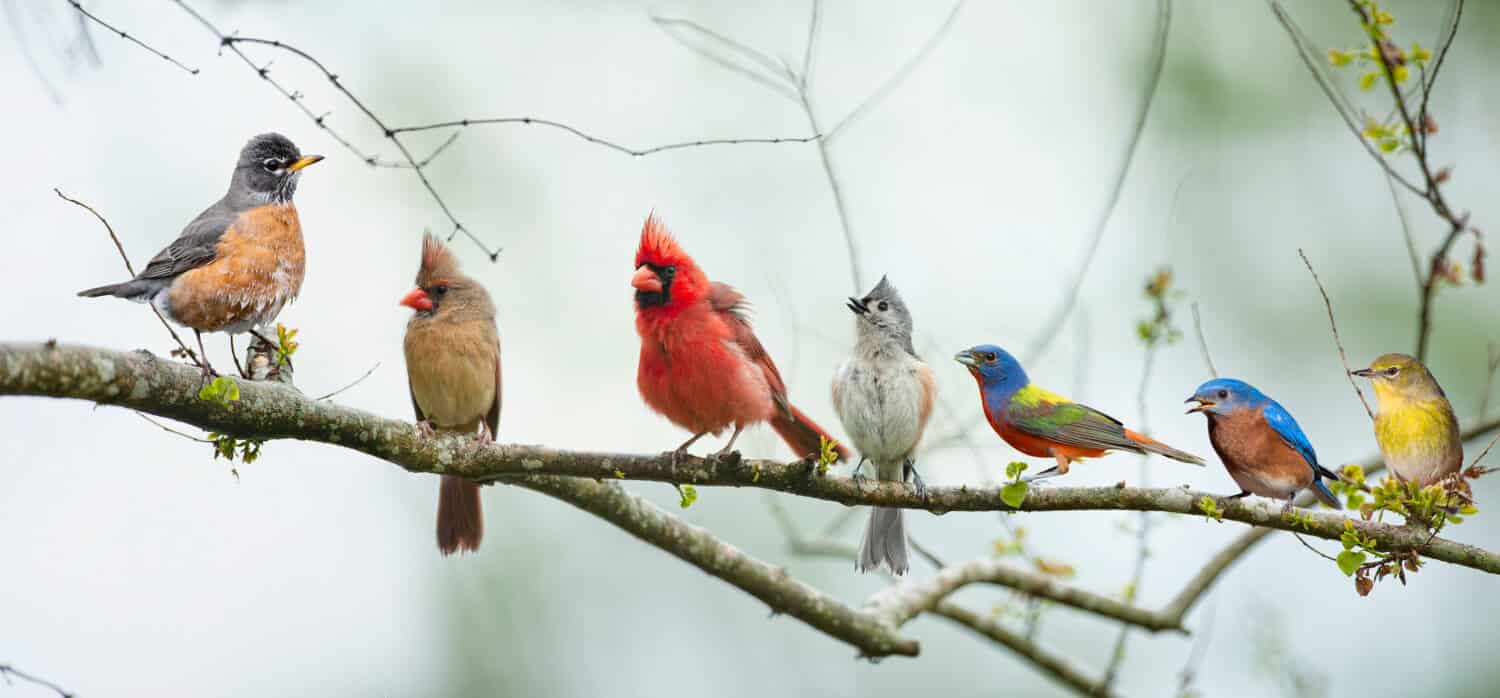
column 483, row 438
column 909, row 468
column 426, row 429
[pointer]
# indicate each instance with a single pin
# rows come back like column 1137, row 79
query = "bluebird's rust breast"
column 1256, row 456
column 257, row 269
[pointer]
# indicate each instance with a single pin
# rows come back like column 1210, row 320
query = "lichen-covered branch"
column 147, row 383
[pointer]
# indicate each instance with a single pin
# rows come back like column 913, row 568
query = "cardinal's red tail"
column 803, row 435
column 460, row 521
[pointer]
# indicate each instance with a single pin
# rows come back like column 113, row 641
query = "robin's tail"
column 802, row 434
column 134, row 289
column 884, row 542
column 1153, row 446
column 460, row 521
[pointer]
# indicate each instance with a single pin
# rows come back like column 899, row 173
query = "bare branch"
column 898, row 77
column 773, row 77
column 812, row 44
column 7, row 671
column 267, row 411
column 182, row 346
column 112, row 29
column 1208, row 359
column 355, row 382
column 1052, row 663
column 1411, row 243
column 1337, row 341
column 1054, row 324
column 637, row 152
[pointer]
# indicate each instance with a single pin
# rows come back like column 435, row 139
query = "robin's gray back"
column 196, row 245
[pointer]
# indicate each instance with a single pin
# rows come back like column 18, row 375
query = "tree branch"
column 141, row 381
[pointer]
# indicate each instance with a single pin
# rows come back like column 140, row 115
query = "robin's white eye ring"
column 271, row 164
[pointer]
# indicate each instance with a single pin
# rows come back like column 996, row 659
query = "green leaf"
column 1013, row 494
column 1210, row 508
column 1368, row 80
column 689, row 494
column 1014, row 469
column 1349, row 561
column 1338, row 58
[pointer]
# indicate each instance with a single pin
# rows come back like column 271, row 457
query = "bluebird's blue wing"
column 1281, row 421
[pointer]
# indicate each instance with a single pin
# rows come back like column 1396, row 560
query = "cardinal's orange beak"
column 417, row 300
column 645, row 279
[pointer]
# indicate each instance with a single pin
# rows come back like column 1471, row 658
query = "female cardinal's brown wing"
column 732, row 307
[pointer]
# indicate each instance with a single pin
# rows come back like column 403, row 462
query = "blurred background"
column 132, row 563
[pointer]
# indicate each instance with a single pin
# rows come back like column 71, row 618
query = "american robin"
column 453, row 372
column 235, row 265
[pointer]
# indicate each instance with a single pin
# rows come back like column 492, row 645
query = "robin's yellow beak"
column 304, row 162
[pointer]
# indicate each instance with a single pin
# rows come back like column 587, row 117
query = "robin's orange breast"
column 257, row 269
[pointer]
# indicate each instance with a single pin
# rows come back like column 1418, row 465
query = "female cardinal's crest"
column 437, row 261
column 658, row 246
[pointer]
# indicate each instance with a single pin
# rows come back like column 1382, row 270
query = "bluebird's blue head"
column 1223, row 396
column 994, row 368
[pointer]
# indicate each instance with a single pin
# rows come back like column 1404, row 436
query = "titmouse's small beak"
column 417, row 299
column 304, row 162
column 857, row 306
column 645, row 279
column 966, row 358
column 1201, row 406
column 1362, row 373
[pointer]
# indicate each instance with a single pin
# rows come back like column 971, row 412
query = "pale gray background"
column 133, row 564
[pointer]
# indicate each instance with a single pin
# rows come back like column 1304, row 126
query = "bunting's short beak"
column 966, row 358
column 1362, row 373
column 645, row 279
column 1201, row 406
column 857, row 307
column 304, row 162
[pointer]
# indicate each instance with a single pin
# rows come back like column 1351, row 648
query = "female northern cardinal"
column 701, row 365
column 453, row 371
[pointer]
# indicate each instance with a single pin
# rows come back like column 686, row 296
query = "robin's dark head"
column 268, row 169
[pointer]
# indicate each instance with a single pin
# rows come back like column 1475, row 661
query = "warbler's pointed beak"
column 857, row 306
column 966, row 358
column 1201, row 406
column 304, row 162
column 645, row 279
column 1362, row 373
column 417, row 299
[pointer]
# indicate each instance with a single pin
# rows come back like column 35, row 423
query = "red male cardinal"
column 453, row 371
column 701, row 365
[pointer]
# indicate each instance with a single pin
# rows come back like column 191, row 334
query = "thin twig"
column 1337, row 341
column 1054, row 324
column 1311, row 58
column 772, row 82
column 1309, row 546
column 637, row 152
column 181, row 345
column 1411, row 243
column 7, row 671
column 1492, row 351
column 355, row 382
column 1201, row 637
column 1208, row 358
column 810, row 50
column 78, row 6
column 170, row 430
column 896, row 78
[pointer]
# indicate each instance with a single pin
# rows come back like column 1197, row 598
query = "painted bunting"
column 1414, row 424
column 1041, row 423
column 884, row 395
column 1262, row 447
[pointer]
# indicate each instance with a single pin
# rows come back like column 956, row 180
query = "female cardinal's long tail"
column 460, row 521
column 802, row 434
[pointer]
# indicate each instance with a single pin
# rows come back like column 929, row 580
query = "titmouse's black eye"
column 1223, row 394
column 884, row 306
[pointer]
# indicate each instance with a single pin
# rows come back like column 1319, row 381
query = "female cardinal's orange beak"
column 417, row 300
column 645, row 279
